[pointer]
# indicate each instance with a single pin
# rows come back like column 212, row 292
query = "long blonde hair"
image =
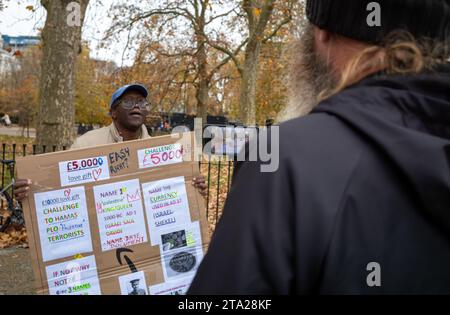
column 400, row 54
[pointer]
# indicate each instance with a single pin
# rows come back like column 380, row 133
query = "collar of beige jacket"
column 118, row 138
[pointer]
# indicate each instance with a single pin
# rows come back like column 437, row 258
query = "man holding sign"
column 128, row 109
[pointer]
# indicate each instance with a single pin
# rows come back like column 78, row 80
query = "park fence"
column 218, row 175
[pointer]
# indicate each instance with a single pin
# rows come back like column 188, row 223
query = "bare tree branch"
column 227, row 59
column 222, row 15
column 264, row 17
column 166, row 11
column 277, row 28
column 231, row 55
column 248, row 8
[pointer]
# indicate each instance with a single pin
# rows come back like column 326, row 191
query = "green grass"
column 17, row 140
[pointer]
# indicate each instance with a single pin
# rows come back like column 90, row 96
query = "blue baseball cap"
column 126, row 88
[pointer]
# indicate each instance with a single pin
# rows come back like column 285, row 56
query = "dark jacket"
column 364, row 178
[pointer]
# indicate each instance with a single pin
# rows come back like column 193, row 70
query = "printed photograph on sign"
column 176, row 287
column 63, row 223
column 181, row 250
column 187, row 236
column 173, row 240
column 75, row 277
column 83, row 171
column 120, row 214
column 181, row 263
column 166, row 205
column 159, row 156
column 133, row 284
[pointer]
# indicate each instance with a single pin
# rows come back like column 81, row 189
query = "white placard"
column 120, row 214
column 133, row 284
column 166, row 205
column 63, row 223
column 75, row 277
column 159, row 156
column 83, row 171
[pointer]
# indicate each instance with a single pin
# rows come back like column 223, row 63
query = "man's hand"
column 21, row 188
column 200, row 184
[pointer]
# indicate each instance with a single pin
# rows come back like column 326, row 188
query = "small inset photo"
column 173, row 240
column 133, row 284
column 182, row 262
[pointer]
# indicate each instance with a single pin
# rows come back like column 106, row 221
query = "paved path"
column 16, row 274
column 16, row 131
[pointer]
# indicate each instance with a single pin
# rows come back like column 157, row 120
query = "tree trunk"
column 202, row 92
column 61, row 45
column 257, row 24
column 248, row 83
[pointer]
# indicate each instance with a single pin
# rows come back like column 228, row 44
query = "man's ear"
column 112, row 113
column 323, row 37
column 323, row 42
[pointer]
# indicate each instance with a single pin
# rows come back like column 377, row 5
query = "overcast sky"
column 16, row 20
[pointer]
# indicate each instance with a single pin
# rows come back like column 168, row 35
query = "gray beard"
column 310, row 76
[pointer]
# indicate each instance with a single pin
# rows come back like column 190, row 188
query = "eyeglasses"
column 130, row 104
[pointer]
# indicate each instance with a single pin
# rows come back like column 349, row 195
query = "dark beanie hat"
column 422, row 18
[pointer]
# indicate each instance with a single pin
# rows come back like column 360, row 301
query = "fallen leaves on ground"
column 12, row 236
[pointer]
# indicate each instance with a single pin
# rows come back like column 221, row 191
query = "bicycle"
column 14, row 208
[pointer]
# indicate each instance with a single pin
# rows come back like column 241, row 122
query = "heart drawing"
column 97, row 173
column 67, row 192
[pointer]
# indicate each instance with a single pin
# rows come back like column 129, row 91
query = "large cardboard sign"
column 115, row 219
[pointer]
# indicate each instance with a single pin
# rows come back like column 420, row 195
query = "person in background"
column 6, row 120
column 166, row 126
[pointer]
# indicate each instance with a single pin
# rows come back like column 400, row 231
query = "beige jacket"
column 105, row 135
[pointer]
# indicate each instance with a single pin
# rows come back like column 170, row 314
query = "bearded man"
column 360, row 203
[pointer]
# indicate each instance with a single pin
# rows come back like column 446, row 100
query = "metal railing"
column 218, row 176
